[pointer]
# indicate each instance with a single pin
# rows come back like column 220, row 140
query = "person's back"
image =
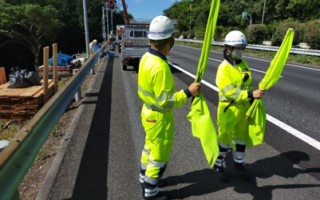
column 157, row 91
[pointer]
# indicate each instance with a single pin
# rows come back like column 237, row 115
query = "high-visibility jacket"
column 231, row 122
column 91, row 47
column 229, row 80
column 157, row 91
column 155, row 84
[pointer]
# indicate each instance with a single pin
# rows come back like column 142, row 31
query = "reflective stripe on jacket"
column 156, row 86
column 229, row 80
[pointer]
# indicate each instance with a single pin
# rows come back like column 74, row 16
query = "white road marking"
column 271, row 119
column 269, row 61
column 252, row 69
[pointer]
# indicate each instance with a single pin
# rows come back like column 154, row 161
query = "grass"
column 292, row 58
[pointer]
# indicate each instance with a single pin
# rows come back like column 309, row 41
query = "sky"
column 147, row 9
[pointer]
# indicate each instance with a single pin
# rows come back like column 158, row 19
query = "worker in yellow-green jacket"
column 236, row 91
column 157, row 91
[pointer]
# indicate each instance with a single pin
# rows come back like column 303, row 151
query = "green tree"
column 28, row 25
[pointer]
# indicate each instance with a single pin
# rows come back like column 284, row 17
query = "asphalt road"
column 103, row 157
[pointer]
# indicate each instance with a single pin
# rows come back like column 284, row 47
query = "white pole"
column 86, row 28
column 104, row 25
column 264, row 6
column 107, row 13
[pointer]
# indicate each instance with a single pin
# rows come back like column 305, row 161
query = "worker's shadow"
column 204, row 181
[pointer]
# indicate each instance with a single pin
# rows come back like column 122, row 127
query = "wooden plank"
column 34, row 89
column 55, row 62
column 3, row 78
column 45, row 74
column 4, row 86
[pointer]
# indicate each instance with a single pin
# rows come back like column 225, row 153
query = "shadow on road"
column 91, row 182
column 204, row 181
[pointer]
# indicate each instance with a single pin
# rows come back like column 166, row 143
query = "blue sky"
column 147, row 9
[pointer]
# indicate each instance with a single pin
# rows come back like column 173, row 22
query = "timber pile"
column 22, row 103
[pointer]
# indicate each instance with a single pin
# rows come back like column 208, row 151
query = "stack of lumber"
column 22, row 103
column 62, row 70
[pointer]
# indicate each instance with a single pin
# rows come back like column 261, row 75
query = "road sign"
column 244, row 14
column 190, row 6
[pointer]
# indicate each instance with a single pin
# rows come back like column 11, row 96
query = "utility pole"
column 86, row 28
column 111, row 21
column 264, row 6
column 190, row 7
column 104, row 24
column 107, row 13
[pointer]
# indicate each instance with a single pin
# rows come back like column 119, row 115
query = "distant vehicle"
column 135, row 44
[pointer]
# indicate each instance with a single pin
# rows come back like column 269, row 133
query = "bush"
column 199, row 32
column 218, row 34
column 281, row 31
column 255, row 33
column 270, row 29
column 312, row 35
column 177, row 34
column 185, row 34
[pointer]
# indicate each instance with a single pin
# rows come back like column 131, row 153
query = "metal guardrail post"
column 78, row 95
column 17, row 158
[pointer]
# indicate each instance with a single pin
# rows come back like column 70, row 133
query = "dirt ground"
column 33, row 181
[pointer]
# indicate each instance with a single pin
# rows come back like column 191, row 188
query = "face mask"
column 237, row 54
column 171, row 43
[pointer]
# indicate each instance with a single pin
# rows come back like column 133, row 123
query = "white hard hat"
column 161, row 28
column 235, row 39
column 95, row 41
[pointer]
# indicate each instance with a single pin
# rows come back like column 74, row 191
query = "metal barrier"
column 262, row 47
column 18, row 156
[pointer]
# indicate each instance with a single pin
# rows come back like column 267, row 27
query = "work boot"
column 149, row 190
column 161, row 184
column 159, row 196
column 241, row 171
column 220, row 173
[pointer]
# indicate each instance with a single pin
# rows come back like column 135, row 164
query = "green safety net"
column 199, row 115
column 256, row 113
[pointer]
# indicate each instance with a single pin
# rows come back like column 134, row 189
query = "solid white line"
column 269, row 61
column 294, row 132
column 252, row 69
column 193, row 76
column 271, row 119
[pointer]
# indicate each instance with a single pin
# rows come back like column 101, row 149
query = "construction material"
column 22, row 103
column 45, row 73
column 3, row 78
column 55, row 74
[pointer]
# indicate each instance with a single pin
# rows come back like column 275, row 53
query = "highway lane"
column 294, row 100
column 102, row 161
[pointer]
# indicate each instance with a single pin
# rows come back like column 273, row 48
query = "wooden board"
column 20, row 92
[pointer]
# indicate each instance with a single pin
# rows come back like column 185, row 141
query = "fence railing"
column 18, row 156
column 262, row 47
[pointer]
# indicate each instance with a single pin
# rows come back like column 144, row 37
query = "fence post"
column 45, row 74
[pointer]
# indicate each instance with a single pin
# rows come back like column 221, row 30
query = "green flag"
column 257, row 113
column 199, row 116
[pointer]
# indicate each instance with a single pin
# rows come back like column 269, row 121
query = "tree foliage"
column 28, row 24
column 230, row 14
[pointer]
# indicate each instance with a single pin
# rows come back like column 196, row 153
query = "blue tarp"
column 96, row 47
column 63, row 60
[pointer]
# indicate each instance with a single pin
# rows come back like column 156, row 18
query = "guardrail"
column 18, row 156
column 262, row 47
